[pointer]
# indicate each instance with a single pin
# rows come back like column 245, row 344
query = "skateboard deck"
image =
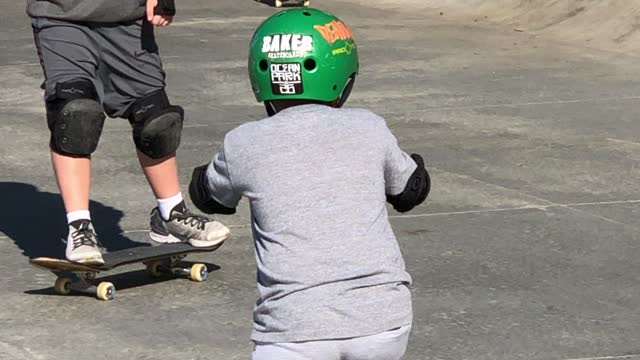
column 285, row 3
column 159, row 260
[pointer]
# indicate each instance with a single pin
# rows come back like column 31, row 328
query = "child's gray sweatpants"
column 389, row 345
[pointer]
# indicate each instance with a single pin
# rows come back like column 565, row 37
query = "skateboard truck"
column 158, row 268
column 285, row 3
column 84, row 282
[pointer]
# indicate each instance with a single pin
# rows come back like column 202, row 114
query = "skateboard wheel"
column 199, row 272
column 153, row 269
column 62, row 286
column 278, row 3
column 307, row 3
column 106, row 291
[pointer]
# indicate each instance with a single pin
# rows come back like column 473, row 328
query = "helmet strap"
column 271, row 110
column 347, row 91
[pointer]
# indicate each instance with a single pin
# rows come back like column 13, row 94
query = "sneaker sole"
column 93, row 261
column 157, row 240
column 217, row 241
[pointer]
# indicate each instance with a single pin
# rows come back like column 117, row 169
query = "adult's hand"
column 160, row 15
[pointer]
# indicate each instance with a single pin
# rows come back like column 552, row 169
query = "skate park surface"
column 525, row 112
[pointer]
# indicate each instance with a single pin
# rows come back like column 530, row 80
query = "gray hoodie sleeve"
column 220, row 182
column 104, row 11
column 398, row 166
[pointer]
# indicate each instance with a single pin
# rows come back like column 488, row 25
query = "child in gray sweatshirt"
column 331, row 278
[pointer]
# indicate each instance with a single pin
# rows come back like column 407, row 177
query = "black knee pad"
column 157, row 125
column 75, row 118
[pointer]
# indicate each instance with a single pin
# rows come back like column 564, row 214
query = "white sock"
column 166, row 205
column 77, row 215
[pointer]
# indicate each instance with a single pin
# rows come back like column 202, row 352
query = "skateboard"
column 159, row 260
column 285, row 3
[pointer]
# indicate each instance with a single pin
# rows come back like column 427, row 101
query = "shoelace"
column 193, row 220
column 84, row 237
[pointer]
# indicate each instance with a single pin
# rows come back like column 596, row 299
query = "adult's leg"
column 69, row 64
column 134, row 89
column 75, row 119
column 73, row 176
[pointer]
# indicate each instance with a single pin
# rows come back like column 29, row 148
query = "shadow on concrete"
column 126, row 280
column 35, row 221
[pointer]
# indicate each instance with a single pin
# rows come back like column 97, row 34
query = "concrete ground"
column 527, row 248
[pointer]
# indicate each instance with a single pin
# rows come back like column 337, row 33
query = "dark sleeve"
column 398, row 165
column 211, row 189
column 416, row 190
column 165, row 7
column 201, row 196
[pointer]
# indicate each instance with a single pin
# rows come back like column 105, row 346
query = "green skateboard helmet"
column 303, row 53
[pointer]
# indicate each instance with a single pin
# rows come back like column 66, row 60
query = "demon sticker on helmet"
column 336, row 30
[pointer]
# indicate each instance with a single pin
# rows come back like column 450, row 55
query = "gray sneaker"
column 183, row 226
column 82, row 243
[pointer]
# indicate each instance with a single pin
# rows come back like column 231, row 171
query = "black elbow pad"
column 165, row 7
column 416, row 191
column 201, row 197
